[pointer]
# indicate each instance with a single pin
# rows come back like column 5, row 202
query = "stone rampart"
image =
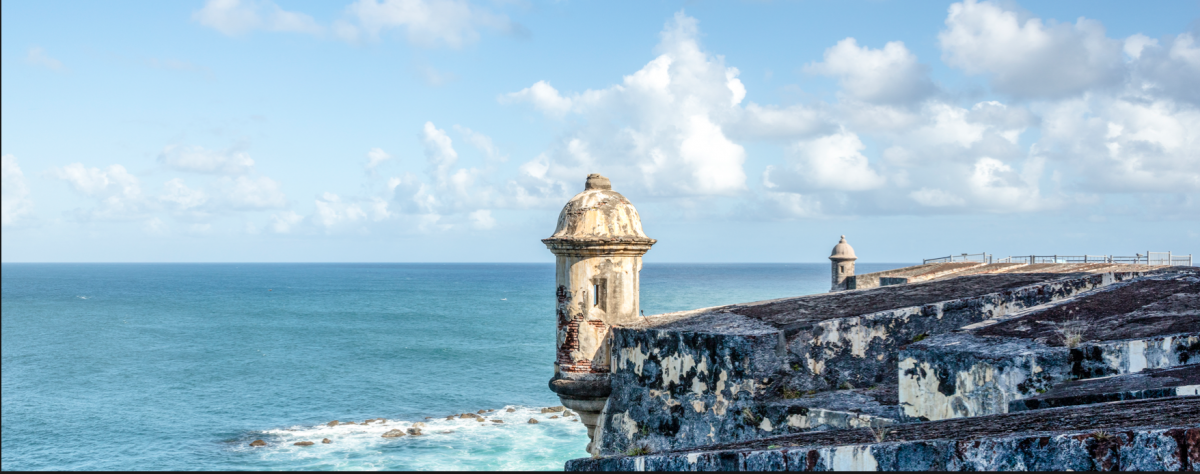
column 732, row 373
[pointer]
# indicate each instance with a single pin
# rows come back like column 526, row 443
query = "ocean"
column 181, row 366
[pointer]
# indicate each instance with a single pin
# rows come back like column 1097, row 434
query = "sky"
column 455, row 130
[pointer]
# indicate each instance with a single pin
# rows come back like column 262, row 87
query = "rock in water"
column 258, row 443
column 303, row 443
column 348, row 423
column 554, row 417
column 467, row 415
column 533, row 421
column 332, row 423
column 419, row 424
column 451, row 417
column 510, row 410
column 326, row 441
column 414, row 431
column 393, row 434
column 480, row 419
column 481, row 412
column 568, row 413
column 497, row 421
column 554, row 409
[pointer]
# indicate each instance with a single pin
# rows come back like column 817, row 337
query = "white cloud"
column 1026, row 57
column 332, row 211
column 662, row 129
column 183, row 198
column 200, row 160
column 543, row 96
column 439, row 151
column 15, row 202
column 95, row 182
column 119, row 194
column 245, row 193
column 1136, row 43
column 1126, row 144
column 1170, row 71
column 37, row 56
column 833, row 162
column 1001, row 189
column 238, row 17
column 889, row 75
column 375, row 157
column 454, row 23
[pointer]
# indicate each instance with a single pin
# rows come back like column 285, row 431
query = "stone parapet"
column 1160, row 435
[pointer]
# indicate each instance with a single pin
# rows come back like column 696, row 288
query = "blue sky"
column 448, row 130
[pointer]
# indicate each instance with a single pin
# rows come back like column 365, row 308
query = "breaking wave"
column 445, row 444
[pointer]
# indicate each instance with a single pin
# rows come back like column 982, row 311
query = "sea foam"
column 455, row 444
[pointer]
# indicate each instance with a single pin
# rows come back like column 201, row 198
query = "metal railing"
column 1149, row 258
column 966, row 257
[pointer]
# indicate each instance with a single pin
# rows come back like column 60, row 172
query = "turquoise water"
column 180, row 366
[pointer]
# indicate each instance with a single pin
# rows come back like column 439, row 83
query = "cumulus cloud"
column 239, row 17
column 1026, row 57
column 1169, row 71
column 38, row 57
column 661, row 130
column 119, row 193
column 889, row 75
column 15, row 202
column 833, row 162
column 200, row 160
column 1118, row 144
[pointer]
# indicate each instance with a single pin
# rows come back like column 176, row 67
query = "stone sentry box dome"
column 598, row 247
column 842, row 259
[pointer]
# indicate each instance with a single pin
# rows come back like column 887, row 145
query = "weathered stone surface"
column 1136, row 310
column 556, row 409
column 1138, row 435
column 1150, row 383
column 258, row 443
column 414, row 431
column 332, row 423
column 510, row 410
column 419, row 424
column 394, row 433
column 303, row 443
column 533, row 421
column 992, row 366
column 326, row 441
column 680, row 379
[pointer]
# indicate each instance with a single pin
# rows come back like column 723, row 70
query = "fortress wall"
column 673, row 389
column 719, row 377
column 1147, row 324
column 862, row 351
column 1135, row 449
column 960, row 375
